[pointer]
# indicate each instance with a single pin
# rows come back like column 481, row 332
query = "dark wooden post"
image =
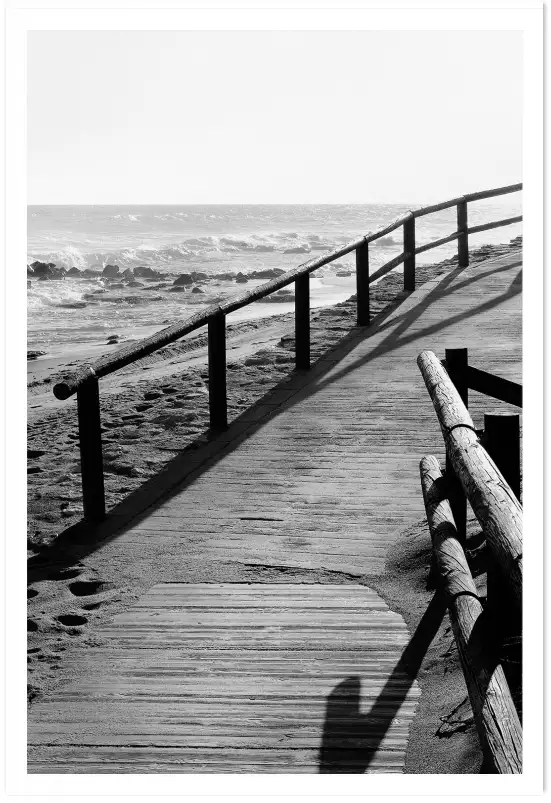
column 409, row 250
column 302, row 322
column 91, row 458
column 463, row 239
column 218, row 406
column 362, row 285
column 457, row 365
column 502, row 442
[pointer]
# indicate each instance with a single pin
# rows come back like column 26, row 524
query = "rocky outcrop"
column 147, row 273
column 111, row 271
column 46, row 270
column 267, row 273
column 73, row 272
column 183, row 280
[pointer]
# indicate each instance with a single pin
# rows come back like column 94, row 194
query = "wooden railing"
column 84, row 382
column 479, row 629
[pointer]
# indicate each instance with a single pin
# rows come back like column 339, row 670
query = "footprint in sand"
column 72, row 619
column 34, row 453
column 86, row 588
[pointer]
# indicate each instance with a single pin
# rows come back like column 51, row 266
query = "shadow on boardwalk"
column 351, row 739
column 83, row 539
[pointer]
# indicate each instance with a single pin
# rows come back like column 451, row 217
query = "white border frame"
column 18, row 21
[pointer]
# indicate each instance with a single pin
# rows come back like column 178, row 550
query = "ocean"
column 218, row 242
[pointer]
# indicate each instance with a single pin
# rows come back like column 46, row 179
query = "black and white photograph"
column 276, row 456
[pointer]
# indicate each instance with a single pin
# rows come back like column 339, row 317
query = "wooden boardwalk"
column 233, row 677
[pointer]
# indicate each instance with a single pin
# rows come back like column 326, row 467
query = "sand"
column 152, row 412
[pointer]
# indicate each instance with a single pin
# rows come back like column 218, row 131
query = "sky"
column 182, row 117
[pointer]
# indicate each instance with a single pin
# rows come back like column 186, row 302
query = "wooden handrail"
column 84, row 381
column 495, row 715
column 127, row 354
column 479, row 196
column 492, row 500
column 495, row 224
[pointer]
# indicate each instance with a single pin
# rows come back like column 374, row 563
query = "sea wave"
column 190, row 248
column 56, row 294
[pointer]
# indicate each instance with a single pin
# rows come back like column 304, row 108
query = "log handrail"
column 107, row 364
column 496, row 718
column 85, row 380
column 492, row 500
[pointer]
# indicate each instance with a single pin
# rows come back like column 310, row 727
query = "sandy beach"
column 157, row 409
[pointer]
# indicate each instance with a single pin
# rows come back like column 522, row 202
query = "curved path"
column 301, row 676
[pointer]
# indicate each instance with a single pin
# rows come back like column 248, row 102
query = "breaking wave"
column 193, row 249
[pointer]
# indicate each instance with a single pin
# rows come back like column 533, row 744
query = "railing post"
column 91, row 457
column 362, row 285
column 302, row 322
column 502, row 442
column 463, row 239
column 218, row 406
column 457, row 366
column 409, row 251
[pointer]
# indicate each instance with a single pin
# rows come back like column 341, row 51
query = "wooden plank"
column 496, row 718
column 229, row 686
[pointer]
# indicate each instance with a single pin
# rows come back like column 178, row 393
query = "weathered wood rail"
column 496, row 718
column 85, row 381
column 496, row 505
column 491, row 498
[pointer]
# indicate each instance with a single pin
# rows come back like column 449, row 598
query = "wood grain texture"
column 492, row 500
column 496, row 718
column 235, row 678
